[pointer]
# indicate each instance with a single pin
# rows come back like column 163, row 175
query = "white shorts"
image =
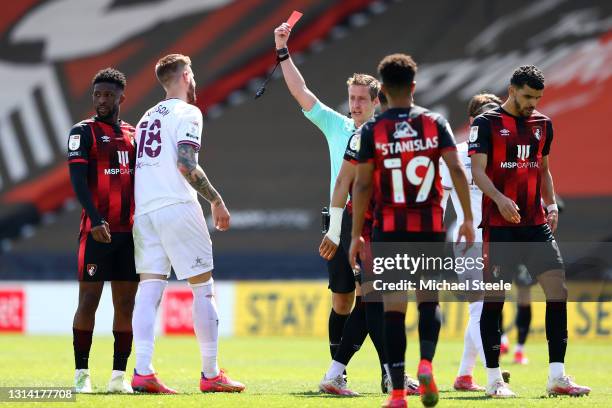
column 175, row 236
column 473, row 273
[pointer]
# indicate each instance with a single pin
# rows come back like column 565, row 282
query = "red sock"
column 398, row 394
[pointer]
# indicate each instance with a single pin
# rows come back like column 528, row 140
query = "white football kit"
column 169, row 226
column 476, row 203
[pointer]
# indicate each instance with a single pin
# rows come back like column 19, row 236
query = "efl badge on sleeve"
column 473, row 134
column 74, row 142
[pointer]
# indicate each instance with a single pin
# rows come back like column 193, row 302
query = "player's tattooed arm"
column 194, row 174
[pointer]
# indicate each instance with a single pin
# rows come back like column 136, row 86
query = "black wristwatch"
column 282, row 54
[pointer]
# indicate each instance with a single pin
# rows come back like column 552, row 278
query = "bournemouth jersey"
column 162, row 128
column 108, row 150
column 514, row 147
column 351, row 155
column 405, row 146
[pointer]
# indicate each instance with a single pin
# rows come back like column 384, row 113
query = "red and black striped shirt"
column 514, row 147
column 351, row 155
column 405, row 146
column 109, row 153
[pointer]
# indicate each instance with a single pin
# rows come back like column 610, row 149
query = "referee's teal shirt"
column 337, row 129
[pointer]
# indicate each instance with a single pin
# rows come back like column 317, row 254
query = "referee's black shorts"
column 341, row 276
column 100, row 262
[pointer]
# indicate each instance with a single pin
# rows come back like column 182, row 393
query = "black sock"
column 336, row 327
column 501, row 324
column 122, row 348
column 354, row 334
column 490, row 332
column 556, row 331
column 395, row 346
column 81, row 343
column 523, row 321
column 374, row 319
column 430, row 321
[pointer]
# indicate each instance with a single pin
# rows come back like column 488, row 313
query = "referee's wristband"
column 282, row 54
column 552, row 207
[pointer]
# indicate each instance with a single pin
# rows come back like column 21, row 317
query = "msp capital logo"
column 91, row 269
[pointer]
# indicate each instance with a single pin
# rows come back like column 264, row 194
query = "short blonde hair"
column 365, row 80
column 167, row 67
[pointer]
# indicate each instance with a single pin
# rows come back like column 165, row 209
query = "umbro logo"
column 504, row 132
column 105, row 139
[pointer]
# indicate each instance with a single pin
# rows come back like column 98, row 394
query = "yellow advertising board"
column 301, row 308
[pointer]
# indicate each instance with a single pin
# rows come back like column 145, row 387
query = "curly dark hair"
column 397, row 71
column 528, row 75
column 111, row 76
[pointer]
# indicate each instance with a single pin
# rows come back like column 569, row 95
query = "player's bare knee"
column 88, row 303
column 342, row 303
column 202, row 278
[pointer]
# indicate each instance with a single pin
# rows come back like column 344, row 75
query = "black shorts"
column 406, row 236
column 341, row 276
column 510, row 249
column 100, row 262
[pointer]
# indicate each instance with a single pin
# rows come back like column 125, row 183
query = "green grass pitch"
column 284, row 372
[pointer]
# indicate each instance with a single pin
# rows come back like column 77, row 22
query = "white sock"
column 474, row 328
column 148, row 297
column 81, row 370
column 335, row 369
column 117, row 373
column 494, row 374
column 206, row 326
column 519, row 348
column 556, row 370
column 468, row 359
column 504, row 339
column 387, row 371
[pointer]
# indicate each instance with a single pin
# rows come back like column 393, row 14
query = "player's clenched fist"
column 220, row 215
column 327, row 249
column 281, row 35
column 101, row 233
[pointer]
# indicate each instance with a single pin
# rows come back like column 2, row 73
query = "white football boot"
column 82, row 381
column 118, row 384
column 499, row 389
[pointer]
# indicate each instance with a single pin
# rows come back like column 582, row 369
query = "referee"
column 337, row 129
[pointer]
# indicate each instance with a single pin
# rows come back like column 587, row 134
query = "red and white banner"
column 12, row 310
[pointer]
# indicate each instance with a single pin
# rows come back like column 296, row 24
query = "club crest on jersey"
column 404, row 130
column 473, row 134
column 355, row 142
column 105, row 139
column 537, row 132
column 123, row 158
column 504, row 132
column 74, row 142
column 91, row 269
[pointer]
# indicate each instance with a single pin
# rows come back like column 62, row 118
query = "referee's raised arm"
column 293, row 77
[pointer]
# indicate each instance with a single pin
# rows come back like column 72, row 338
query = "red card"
column 294, row 18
